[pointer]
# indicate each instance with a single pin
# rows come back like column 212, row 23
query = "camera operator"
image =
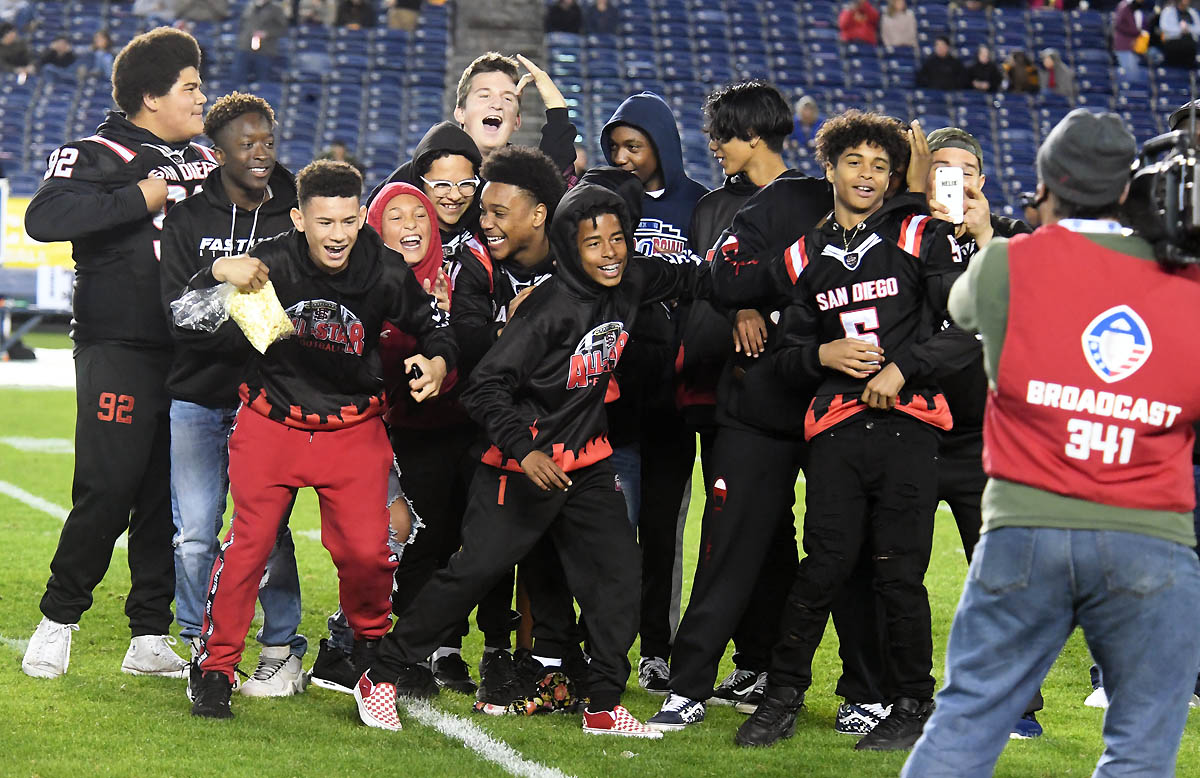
column 1087, row 514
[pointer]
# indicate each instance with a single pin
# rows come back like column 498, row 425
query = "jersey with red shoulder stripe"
column 89, row 196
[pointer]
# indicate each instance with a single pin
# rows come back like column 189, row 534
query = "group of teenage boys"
column 510, row 368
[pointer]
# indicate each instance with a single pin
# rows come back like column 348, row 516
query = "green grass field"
column 97, row 721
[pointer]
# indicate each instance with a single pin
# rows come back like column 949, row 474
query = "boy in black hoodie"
column 245, row 201
column 108, row 194
column 540, row 393
column 310, row 413
column 655, row 451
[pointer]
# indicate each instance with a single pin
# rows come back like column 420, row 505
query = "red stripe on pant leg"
column 352, row 466
column 503, row 484
column 259, row 452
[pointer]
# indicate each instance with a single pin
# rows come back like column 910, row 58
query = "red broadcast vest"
column 1098, row 385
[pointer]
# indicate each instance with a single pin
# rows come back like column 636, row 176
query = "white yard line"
column 16, row 644
column 45, row 506
column 41, row 445
column 483, row 744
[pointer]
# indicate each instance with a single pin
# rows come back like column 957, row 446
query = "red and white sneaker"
column 617, row 721
column 377, row 704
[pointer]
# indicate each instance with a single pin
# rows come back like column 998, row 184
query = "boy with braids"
column 310, row 413
column 108, row 194
column 245, row 201
column 857, row 333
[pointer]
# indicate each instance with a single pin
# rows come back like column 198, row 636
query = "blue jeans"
column 199, row 484
column 627, row 462
column 1026, row 591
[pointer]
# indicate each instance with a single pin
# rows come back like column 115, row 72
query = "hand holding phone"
column 948, row 190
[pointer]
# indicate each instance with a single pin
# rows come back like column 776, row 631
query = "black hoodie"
column 329, row 375
column 442, row 138
column 543, row 385
column 90, row 197
column 199, row 231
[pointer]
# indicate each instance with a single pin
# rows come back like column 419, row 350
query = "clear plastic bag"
column 259, row 315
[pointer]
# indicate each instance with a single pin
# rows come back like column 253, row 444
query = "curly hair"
column 231, row 106
column 326, row 178
column 853, row 128
column 747, row 109
column 529, row 169
column 491, row 62
column 150, row 64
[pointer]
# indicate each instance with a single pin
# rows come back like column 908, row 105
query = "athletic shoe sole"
column 651, row 735
column 293, row 688
column 41, row 671
column 747, row 708
column 332, row 686
column 159, row 674
column 654, row 725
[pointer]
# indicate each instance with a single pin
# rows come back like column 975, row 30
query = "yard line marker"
column 483, row 744
column 45, row 506
column 16, row 644
column 41, row 445
column 311, row 534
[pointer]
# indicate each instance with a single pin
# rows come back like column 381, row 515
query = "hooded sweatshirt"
column 543, row 385
column 396, row 346
column 199, row 231
column 328, row 375
column 90, row 197
column 442, row 138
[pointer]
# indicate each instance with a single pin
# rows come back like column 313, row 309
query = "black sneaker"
column 451, row 673
column 499, row 685
column 212, row 694
column 775, row 718
column 901, row 729
column 334, row 670
column 416, row 680
column 654, row 674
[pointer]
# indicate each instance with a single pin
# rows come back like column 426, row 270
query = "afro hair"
column 528, row 169
column 150, row 64
column 853, row 128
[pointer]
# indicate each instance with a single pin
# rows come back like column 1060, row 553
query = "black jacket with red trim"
column 199, row 231
column 877, row 282
column 90, row 197
column 329, row 375
column 543, row 384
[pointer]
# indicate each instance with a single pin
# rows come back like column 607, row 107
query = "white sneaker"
column 1097, row 699
column 279, row 674
column 1195, row 701
column 49, row 650
column 153, row 655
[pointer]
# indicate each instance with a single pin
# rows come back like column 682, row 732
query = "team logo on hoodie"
column 655, row 237
column 597, row 354
column 328, row 326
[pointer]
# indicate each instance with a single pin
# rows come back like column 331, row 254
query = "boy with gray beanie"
column 1087, row 445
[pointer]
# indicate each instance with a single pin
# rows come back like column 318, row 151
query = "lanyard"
column 1104, row 226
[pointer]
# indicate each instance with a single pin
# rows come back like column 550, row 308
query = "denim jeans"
column 1026, row 591
column 627, row 462
column 199, row 484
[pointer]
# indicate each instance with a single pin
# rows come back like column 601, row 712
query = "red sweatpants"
column 268, row 462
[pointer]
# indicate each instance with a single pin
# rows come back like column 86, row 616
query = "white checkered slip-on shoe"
column 617, row 721
column 377, row 704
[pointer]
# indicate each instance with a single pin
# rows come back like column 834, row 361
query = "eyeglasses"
column 466, row 187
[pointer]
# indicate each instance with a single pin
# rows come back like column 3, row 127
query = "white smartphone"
column 948, row 190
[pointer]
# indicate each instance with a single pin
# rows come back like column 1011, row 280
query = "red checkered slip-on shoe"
column 617, row 721
column 377, row 704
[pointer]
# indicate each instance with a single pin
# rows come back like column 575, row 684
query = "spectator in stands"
column 355, row 14
column 1179, row 25
column 59, row 58
column 564, row 16
column 1020, row 73
column 15, row 54
column 16, row 12
column 984, row 74
column 155, row 11
column 1056, row 75
column 1047, row 5
column 600, row 18
column 403, row 14
column 99, row 60
column 264, row 23
column 313, row 12
column 859, row 22
column 1129, row 24
column 339, row 152
column 202, row 10
column 804, row 127
column 898, row 27
column 941, row 70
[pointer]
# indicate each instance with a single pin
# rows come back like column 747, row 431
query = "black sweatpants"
column 506, row 517
column 872, row 481
column 668, row 447
column 122, row 482
column 436, row 468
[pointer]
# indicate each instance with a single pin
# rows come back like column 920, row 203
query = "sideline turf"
column 98, row 721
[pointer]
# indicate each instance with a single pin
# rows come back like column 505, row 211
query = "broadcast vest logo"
column 1116, row 343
